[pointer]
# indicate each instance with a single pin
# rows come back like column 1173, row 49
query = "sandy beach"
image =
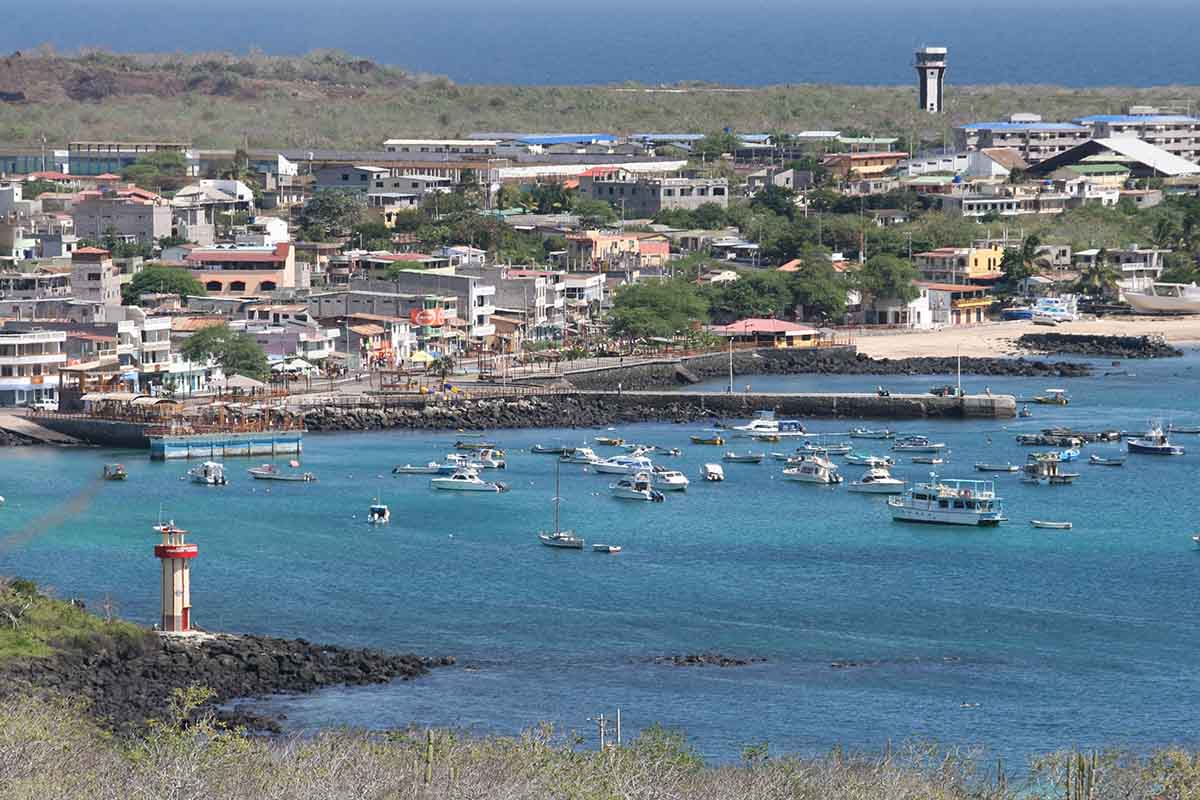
column 997, row 339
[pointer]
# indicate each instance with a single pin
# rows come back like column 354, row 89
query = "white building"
column 29, row 364
column 94, row 277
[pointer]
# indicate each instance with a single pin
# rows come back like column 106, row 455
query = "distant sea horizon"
column 760, row 43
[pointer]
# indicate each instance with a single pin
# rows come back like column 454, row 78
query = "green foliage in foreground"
column 33, row 625
column 49, row 750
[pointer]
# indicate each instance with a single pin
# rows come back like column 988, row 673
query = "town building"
column 794, row 179
column 1178, row 134
column 96, row 158
column 957, row 304
column 472, row 147
column 1137, row 266
column 643, row 196
column 34, row 280
column 29, row 365
column 126, row 213
column 848, row 166
column 960, row 265
column 1034, row 139
column 247, row 269
column 769, row 332
column 475, row 298
column 197, row 209
column 536, row 297
column 1142, row 159
column 1006, row 201
column 95, row 278
column 609, row 250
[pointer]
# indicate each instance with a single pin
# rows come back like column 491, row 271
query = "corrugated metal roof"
column 1149, row 119
column 1023, row 126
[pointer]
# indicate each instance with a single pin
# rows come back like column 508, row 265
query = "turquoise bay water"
column 1048, row 638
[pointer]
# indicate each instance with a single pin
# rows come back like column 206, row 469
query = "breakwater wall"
column 593, row 409
column 1083, row 344
column 804, row 361
column 104, row 432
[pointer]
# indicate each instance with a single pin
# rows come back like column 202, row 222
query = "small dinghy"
column 432, row 468
column 1054, row 526
column 269, row 472
column 928, row 460
column 713, row 472
column 1106, row 461
column 715, row 440
column 606, row 548
column 743, row 458
column 984, row 467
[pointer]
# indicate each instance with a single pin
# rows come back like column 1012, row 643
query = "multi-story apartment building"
column 98, row 158
column 848, row 166
column 34, row 282
column 128, row 213
column 429, row 315
column 644, row 196
column 29, row 365
column 538, row 297
column 959, row 265
column 248, row 269
column 1175, row 133
column 1138, row 266
column 1028, row 134
column 94, row 277
column 476, row 298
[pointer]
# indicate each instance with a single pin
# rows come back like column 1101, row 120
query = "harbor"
column 756, row 566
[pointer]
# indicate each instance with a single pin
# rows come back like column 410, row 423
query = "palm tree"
column 1098, row 279
column 443, row 366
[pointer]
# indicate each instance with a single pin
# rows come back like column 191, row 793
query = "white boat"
column 928, row 460
column 867, row 433
column 868, row 460
column 949, row 502
column 636, row 487
column 566, row 540
column 378, row 513
column 917, row 444
column 1054, row 526
column 831, row 449
column 814, row 469
column 210, row 473
column 670, row 480
column 713, row 472
column 457, row 461
column 1154, row 442
column 623, row 465
column 581, row 455
column 765, row 424
column 877, row 480
column 1042, row 318
column 1053, row 310
column 606, row 548
column 432, row 468
column 491, row 459
column 1005, row 467
column 1106, row 461
column 270, row 472
column 466, row 480
column 1165, row 298
column 1183, row 428
column 743, row 458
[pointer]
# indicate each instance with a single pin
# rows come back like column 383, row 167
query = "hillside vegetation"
column 330, row 99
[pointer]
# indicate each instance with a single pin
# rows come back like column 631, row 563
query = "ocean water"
column 761, row 42
column 1015, row 639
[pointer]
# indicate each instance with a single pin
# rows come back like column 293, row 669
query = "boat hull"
column 1155, row 304
column 1137, row 446
column 938, row 517
column 876, row 488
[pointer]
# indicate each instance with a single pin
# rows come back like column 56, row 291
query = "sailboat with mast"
column 560, row 538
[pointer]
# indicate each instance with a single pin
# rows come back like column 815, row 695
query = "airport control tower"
column 931, row 77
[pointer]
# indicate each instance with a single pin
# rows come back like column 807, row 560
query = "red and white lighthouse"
column 176, row 556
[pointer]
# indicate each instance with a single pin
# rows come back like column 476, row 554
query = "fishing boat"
column 466, row 480
column 765, row 424
column 928, row 460
column 1044, row 468
column 773, row 438
column 917, row 444
column 606, row 548
column 743, row 458
column 714, row 440
column 461, row 445
column 432, row 468
column 877, row 480
column 457, row 461
column 831, row 449
column 554, row 451
column 623, row 465
column 670, row 480
column 814, row 469
column 1183, row 428
column 712, row 472
column 1052, row 397
column 1054, row 526
column 378, row 513
column 580, row 455
column 269, row 472
column 115, row 472
column 558, row 537
column 1106, row 461
column 636, row 487
column 491, row 459
column 949, row 502
column 1165, row 298
column 1154, row 442
column 868, row 433
column 609, row 441
column 210, row 473
column 1025, row 412
column 868, row 460
column 1005, row 467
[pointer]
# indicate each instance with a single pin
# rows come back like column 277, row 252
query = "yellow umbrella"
column 420, row 357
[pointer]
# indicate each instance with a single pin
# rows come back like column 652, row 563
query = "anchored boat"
column 949, row 502
column 814, row 469
column 1154, row 442
column 636, row 487
column 559, row 538
column 877, row 480
column 210, row 473
column 269, row 472
column 466, row 480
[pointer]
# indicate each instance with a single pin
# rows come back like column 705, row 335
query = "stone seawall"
column 107, row 433
column 586, row 410
column 825, row 361
column 1096, row 345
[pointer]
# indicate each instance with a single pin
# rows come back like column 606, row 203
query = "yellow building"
column 960, row 264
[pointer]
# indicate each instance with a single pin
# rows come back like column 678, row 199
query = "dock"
column 22, row 426
column 226, row 444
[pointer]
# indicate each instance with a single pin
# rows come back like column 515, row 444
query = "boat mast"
column 557, row 467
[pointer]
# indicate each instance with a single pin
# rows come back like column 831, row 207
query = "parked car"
column 45, row 405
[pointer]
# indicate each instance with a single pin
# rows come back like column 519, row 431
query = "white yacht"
column 581, row 455
column 1165, row 298
column 466, row 480
column 830, row 448
column 868, row 460
column 949, row 502
column 877, row 480
column 491, row 459
column 210, row 473
column 623, row 465
column 670, row 480
column 917, row 444
column 814, row 469
column 713, row 472
column 636, row 487
column 868, row 433
column 765, row 423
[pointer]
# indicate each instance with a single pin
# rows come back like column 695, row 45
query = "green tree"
column 819, row 290
column 658, row 308
column 160, row 279
column 778, row 200
column 593, row 213
column 157, row 168
column 331, row 213
column 235, row 351
column 1180, row 267
column 753, row 294
column 373, row 235
column 1098, row 279
column 715, row 145
column 887, row 277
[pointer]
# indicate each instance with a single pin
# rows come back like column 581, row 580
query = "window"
column 237, row 286
column 267, row 286
column 718, row 191
column 213, row 286
column 345, row 176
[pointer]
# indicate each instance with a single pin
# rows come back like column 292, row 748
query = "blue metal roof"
column 1152, row 119
column 667, row 137
column 1024, row 126
column 567, row 138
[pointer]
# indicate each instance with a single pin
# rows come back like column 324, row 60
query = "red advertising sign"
column 428, row 316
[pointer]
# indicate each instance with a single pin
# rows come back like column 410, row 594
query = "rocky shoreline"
column 707, row 660
column 127, row 682
column 1099, row 346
